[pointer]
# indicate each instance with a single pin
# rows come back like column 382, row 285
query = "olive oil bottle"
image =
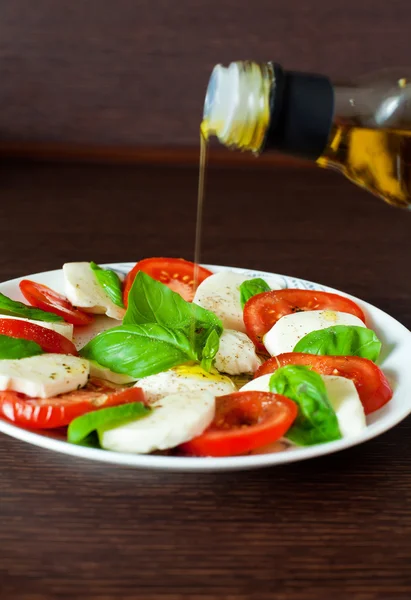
column 362, row 129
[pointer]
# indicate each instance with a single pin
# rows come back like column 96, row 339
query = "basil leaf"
column 81, row 430
column 341, row 340
column 251, row 288
column 316, row 421
column 110, row 282
column 151, row 301
column 12, row 348
column 210, row 350
column 91, row 441
column 139, row 350
column 14, row 308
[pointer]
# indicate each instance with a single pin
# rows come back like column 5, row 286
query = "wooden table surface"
column 337, row 527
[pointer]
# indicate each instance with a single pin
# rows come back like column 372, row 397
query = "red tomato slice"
column 43, row 297
column 50, row 341
column 243, row 422
column 178, row 274
column 262, row 311
column 372, row 385
column 50, row 413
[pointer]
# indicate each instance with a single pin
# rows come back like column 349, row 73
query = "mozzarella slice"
column 82, row 335
column 260, row 384
column 343, row 397
column 346, row 403
column 184, row 379
column 64, row 329
column 236, row 354
column 176, row 418
column 289, row 330
column 45, row 375
column 220, row 293
column 101, row 372
column 84, row 291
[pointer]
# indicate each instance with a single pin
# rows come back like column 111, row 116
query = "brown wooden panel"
column 134, row 72
column 149, row 155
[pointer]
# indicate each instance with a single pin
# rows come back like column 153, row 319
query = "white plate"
column 395, row 363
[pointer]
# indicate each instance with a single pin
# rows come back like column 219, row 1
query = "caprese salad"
column 177, row 359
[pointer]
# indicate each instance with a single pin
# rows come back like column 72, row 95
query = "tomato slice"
column 58, row 411
column 372, row 385
column 262, row 311
column 43, row 297
column 178, row 274
column 50, row 341
column 243, row 422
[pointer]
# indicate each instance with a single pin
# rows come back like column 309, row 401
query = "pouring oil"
column 199, row 215
column 200, row 201
column 362, row 130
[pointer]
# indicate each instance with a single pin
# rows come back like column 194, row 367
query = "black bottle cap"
column 302, row 107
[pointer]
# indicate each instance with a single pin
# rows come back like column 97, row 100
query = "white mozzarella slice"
column 343, row 397
column 220, row 293
column 83, row 290
column 45, row 375
column 82, row 335
column 184, row 379
column 289, row 330
column 101, row 372
column 260, row 384
column 64, row 329
column 346, row 403
column 176, row 418
column 236, row 354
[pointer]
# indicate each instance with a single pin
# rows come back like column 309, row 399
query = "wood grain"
column 139, row 155
column 134, row 73
column 336, row 527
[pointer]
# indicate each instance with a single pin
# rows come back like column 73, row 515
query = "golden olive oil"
column 199, row 215
column 200, row 201
column 378, row 160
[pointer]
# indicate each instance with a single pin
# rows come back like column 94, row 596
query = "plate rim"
column 201, row 464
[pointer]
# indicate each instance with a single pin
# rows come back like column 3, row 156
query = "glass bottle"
column 361, row 129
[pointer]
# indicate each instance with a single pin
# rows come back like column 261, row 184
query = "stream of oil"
column 199, row 215
column 200, row 203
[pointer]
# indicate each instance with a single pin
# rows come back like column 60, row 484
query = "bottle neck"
column 238, row 105
column 258, row 107
column 302, row 110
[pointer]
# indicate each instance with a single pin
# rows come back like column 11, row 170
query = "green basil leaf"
column 91, row 441
column 81, row 430
column 12, row 348
column 140, row 350
column 14, row 308
column 110, row 282
column 341, row 340
column 210, row 350
column 316, row 421
column 251, row 288
column 151, row 301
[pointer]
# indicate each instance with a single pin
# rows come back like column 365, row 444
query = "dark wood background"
column 133, row 73
column 335, row 528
